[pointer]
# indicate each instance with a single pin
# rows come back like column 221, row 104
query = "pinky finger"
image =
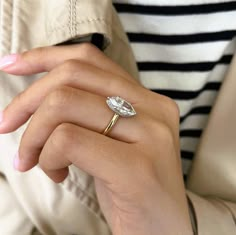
column 96, row 154
column 57, row 175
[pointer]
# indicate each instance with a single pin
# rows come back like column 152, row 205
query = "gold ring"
column 111, row 123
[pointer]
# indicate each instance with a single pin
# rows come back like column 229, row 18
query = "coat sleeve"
column 58, row 21
column 212, row 215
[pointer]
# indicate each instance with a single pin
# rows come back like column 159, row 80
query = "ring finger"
column 59, row 107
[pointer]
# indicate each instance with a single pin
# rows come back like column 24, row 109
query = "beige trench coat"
column 32, row 204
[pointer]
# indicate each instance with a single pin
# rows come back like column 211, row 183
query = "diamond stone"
column 120, row 106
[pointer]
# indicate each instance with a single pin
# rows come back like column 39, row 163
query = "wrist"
column 159, row 219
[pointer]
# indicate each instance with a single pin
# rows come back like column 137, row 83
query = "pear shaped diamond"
column 120, row 106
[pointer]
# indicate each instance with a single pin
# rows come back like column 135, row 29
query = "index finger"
column 44, row 59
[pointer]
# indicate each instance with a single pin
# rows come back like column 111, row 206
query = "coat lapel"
column 214, row 167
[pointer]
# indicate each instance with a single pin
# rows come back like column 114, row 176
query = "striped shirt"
column 183, row 49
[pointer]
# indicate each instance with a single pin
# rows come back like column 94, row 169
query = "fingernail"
column 1, row 116
column 16, row 161
column 8, row 60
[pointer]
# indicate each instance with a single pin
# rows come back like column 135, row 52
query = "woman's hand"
column 137, row 167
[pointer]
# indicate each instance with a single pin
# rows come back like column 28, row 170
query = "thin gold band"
column 111, row 123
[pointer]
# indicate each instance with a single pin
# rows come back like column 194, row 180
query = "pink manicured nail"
column 16, row 162
column 7, row 61
column 1, row 116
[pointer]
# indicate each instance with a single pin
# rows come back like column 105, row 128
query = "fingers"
column 45, row 59
column 95, row 154
column 74, row 74
column 69, row 105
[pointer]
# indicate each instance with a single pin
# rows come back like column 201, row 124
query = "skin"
column 137, row 168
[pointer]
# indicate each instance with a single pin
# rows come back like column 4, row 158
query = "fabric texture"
column 71, row 207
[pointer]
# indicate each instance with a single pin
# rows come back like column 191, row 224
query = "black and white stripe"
column 182, row 39
column 183, row 49
column 173, row 10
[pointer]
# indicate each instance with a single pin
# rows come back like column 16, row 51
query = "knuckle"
column 118, row 84
column 59, row 98
column 162, row 132
column 67, row 72
column 87, row 50
column 20, row 100
column 168, row 109
column 171, row 108
column 165, row 133
column 60, row 140
column 39, row 52
column 161, row 142
column 69, row 66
